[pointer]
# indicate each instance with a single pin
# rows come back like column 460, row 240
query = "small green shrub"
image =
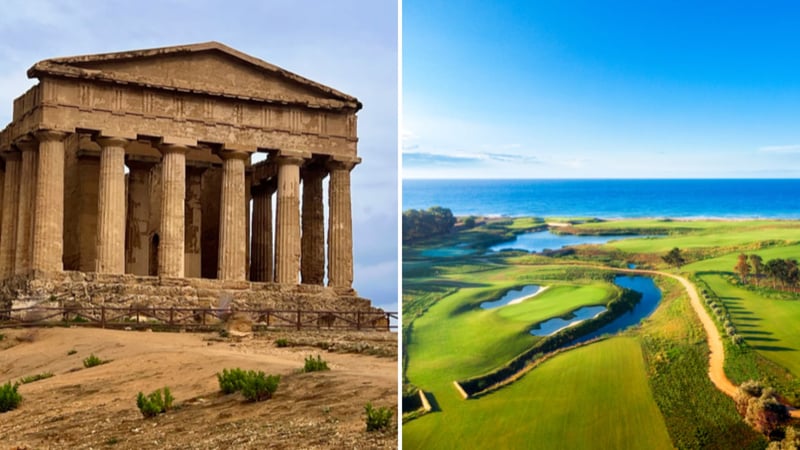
column 37, row 377
column 255, row 385
column 155, row 403
column 282, row 342
column 258, row 386
column 72, row 352
column 9, row 397
column 315, row 365
column 92, row 361
column 232, row 380
column 377, row 419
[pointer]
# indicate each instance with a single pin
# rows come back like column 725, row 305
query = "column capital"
column 347, row 165
column 227, row 153
column 12, row 155
column 173, row 148
column 289, row 159
column 50, row 135
column 26, row 144
column 111, row 141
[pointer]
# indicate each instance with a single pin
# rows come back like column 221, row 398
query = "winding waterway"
column 651, row 297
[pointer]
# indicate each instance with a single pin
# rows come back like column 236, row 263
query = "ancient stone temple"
column 130, row 176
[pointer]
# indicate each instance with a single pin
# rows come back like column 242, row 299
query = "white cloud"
column 780, row 149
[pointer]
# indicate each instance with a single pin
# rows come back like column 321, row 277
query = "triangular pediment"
column 210, row 68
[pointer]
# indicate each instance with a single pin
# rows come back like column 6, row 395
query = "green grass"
column 457, row 339
column 771, row 327
column 593, row 397
column 676, row 356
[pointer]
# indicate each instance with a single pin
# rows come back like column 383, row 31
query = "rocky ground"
column 95, row 407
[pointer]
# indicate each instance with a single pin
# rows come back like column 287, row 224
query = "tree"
column 758, row 266
column 420, row 224
column 742, row 267
column 674, row 258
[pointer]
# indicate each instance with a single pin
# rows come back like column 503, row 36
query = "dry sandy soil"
column 96, row 407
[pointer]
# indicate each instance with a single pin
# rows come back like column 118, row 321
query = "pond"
column 518, row 293
column 448, row 252
column 552, row 326
column 545, row 240
column 651, row 296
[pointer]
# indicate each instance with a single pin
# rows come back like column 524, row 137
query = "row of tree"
column 421, row 224
column 783, row 272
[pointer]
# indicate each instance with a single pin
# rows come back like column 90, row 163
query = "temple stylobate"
column 140, row 164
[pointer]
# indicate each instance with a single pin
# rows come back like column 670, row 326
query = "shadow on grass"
column 434, row 403
column 774, row 348
column 747, row 337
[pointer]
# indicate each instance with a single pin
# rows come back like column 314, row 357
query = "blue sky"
column 350, row 45
column 586, row 89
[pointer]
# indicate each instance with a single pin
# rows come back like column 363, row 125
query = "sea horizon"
column 610, row 198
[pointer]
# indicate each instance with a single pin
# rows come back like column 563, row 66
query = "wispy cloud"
column 463, row 158
column 780, row 149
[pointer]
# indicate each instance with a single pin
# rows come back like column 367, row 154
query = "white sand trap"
column 522, row 299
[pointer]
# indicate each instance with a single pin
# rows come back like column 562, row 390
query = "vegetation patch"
column 37, row 377
column 256, row 386
column 315, row 364
column 157, row 402
column 9, row 397
column 92, row 361
column 377, row 418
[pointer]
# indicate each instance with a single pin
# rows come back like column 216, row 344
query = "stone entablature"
column 185, row 122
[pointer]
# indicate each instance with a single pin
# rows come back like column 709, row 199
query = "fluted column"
column 8, row 238
column 261, row 268
column 27, row 185
column 48, row 225
column 193, row 223
column 232, row 227
column 287, row 225
column 137, row 236
column 340, row 226
column 111, row 207
column 312, row 257
column 173, row 195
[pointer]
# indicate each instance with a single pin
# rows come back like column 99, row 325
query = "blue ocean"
column 608, row 199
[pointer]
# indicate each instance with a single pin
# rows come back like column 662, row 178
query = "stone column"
column 111, row 207
column 261, row 268
column 8, row 238
column 232, row 226
column 173, row 195
column 193, row 223
column 27, row 185
column 312, row 257
column 340, row 226
column 137, row 237
column 48, row 231
column 287, row 225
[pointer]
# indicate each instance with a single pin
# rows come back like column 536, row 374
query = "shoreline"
column 522, row 299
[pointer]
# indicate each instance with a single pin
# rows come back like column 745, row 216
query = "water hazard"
column 512, row 295
column 555, row 325
column 545, row 240
column 651, row 296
